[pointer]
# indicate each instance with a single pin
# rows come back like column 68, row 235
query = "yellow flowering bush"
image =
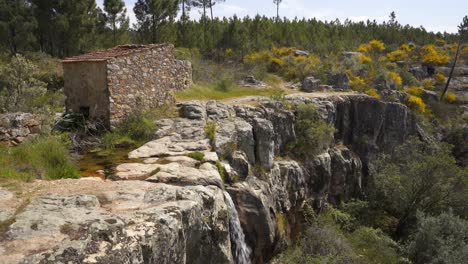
column 256, row 57
column 416, row 103
column 439, row 78
column 277, row 61
column 373, row 93
column 283, row 51
column 398, row 55
column 428, row 84
column 395, row 78
column 407, row 48
column 364, row 59
column 228, row 52
column 300, row 59
column 431, row 55
column 356, row 82
column 373, row 46
column 451, row 98
column 413, row 90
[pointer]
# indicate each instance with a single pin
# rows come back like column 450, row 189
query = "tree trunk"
column 204, row 24
column 452, row 70
column 113, row 29
column 212, row 23
column 154, row 30
column 277, row 12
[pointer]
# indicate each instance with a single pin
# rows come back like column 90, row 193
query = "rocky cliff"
column 238, row 203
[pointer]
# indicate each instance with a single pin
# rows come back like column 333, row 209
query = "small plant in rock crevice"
column 210, row 130
column 220, row 168
column 196, row 156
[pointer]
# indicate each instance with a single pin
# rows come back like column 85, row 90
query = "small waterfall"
column 240, row 250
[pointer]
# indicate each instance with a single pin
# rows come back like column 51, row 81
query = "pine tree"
column 152, row 13
column 116, row 13
column 182, row 29
column 277, row 3
column 17, row 25
column 66, row 27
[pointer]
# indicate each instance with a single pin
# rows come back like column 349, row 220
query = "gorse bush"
column 373, row 93
column 312, row 132
column 43, row 158
column 432, row 55
column 416, row 91
column 416, row 103
column 440, row 78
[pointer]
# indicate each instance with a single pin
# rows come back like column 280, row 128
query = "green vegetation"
column 312, row 132
column 211, row 92
column 220, row 168
column 30, row 25
column 196, row 155
column 210, row 130
column 44, row 158
column 417, row 177
column 334, row 237
column 439, row 239
column 137, row 129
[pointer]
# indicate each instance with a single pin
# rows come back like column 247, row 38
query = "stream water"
column 102, row 163
column 240, row 250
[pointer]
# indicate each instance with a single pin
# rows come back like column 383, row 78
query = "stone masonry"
column 15, row 128
column 109, row 85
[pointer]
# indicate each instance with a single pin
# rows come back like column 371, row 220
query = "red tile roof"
column 111, row 53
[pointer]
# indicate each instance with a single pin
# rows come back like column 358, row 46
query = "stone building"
column 108, row 85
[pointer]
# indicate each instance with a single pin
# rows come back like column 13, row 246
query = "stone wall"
column 145, row 79
column 86, row 89
column 15, row 128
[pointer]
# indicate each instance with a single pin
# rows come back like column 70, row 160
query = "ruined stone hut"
column 108, row 85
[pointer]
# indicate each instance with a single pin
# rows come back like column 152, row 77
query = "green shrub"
column 417, row 177
column 439, row 239
column 43, row 158
column 210, row 130
column 21, row 87
column 138, row 128
column 196, row 155
column 327, row 238
column 313, row 133
column 375, row 246
column 225, row 84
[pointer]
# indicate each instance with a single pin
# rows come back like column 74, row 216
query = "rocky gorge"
column 239, row 202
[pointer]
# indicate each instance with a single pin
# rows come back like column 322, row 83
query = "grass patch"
column 196, row 155
column 220, row 168
column 213, row 92
column 43, row 158
column 137, row 129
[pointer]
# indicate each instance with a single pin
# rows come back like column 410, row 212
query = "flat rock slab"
column 175, row 173
column 120, row 224
column 134, row 171
column 167, row 146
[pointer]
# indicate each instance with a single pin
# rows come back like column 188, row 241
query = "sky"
column 434, row 15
